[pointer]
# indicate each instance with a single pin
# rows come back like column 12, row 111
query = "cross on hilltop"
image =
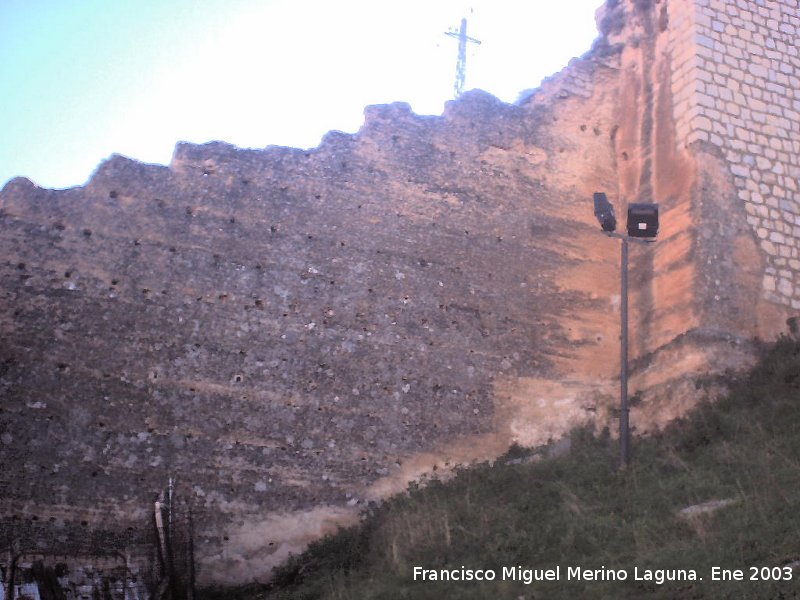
column 461, row 66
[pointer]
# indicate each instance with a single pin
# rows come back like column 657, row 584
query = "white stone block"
column 786, row 288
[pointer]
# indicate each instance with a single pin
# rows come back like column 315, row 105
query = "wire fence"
column 154, row 562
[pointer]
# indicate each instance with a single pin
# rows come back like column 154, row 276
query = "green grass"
column 578, row 510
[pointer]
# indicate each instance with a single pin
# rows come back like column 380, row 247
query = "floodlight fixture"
column 604, row 212
column 643, row 220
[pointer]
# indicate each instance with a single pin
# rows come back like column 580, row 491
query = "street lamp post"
column 642, row 227
column 624, row 409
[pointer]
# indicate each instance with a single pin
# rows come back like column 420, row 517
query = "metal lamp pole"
column 624, row 410
column 642, row 228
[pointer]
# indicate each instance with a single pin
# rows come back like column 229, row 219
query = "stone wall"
column 293, row 333
column 290, row 334
column 699, row 296
column 741, row 88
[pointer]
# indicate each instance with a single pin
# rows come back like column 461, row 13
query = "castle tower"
column 709, row 100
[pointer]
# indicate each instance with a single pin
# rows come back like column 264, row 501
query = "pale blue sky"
column 82, row 79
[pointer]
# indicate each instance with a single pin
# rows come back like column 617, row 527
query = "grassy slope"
column 578, row 510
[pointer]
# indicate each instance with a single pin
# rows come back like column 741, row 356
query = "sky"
column 83, row 79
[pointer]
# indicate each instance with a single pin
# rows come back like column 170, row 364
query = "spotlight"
column 604, row 212
column 642, row 220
